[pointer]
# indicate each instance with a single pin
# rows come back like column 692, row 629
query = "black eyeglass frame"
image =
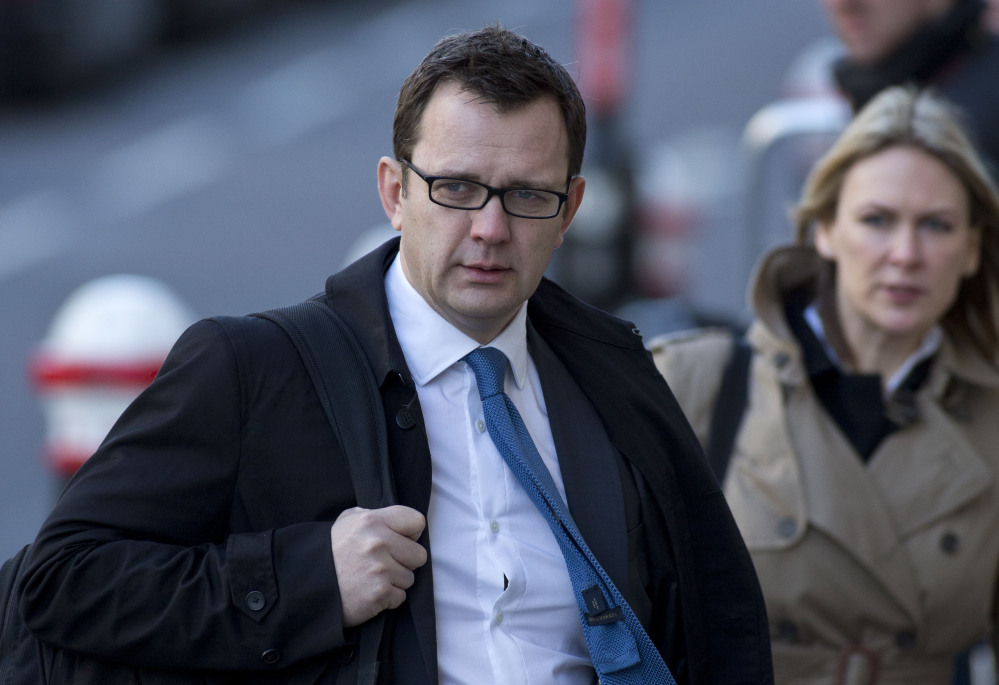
column 490, row 191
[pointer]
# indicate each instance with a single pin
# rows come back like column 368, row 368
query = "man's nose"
column 491, row 223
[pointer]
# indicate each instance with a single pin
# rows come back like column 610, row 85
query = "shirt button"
column 270, row 657
column 494, row 526
column 950, row 543
column 255, row 600
column 499, row 617
column 480, row 425
column 787, row 527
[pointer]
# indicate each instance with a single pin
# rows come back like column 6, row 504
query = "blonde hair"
column 920, row 119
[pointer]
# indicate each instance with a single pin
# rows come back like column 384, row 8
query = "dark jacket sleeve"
column 156, row 553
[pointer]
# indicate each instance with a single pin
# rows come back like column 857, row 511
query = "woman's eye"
column 936, row 225
column 875, row 220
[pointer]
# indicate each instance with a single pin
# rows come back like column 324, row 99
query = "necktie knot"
column 489, row 366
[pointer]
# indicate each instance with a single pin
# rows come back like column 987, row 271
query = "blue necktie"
column 621, row 650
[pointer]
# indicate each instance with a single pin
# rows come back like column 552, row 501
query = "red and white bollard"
column 104, row 346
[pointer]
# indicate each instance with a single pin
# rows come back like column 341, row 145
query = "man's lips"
column 486, row 273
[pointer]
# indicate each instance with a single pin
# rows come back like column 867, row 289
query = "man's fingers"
column 404, row 520
column 375, row 552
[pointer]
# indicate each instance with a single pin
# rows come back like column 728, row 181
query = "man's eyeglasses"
column 458, row 193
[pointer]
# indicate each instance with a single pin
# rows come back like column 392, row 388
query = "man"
column 216, row 531
column 946, row 44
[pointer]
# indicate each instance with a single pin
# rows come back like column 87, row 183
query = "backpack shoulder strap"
column 349, row 395
column 347, row 390
column 730, row 405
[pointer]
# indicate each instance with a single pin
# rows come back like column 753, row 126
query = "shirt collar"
column 929, row 347
column 431, row 344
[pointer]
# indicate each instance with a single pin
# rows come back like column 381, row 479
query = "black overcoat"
column 198, row 536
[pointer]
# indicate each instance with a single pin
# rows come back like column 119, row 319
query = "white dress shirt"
column 505, row 607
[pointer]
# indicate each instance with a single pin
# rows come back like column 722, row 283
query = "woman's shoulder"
column 699, row 347
column 692, row 362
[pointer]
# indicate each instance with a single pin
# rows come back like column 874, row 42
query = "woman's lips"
column 902, row 294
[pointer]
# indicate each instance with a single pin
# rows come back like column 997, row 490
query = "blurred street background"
column 237, row 166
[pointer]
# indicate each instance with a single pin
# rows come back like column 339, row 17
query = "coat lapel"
column 588, row 462
column 861, row 523
column 930, row 473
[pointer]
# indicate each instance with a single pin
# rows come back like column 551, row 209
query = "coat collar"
column 357, row 293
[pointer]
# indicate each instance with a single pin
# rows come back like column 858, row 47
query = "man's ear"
column 390, row 190
column 576, row 188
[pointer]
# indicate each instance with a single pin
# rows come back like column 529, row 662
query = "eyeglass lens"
column 460, row 194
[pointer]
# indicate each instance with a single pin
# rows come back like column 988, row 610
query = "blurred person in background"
column 864, row 474
column 215, row 536
column 948, row 44
column 992, row 16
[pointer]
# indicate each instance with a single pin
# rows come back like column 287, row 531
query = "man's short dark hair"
column 501, row 68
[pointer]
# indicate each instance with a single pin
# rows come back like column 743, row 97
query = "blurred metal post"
column 104, row 346
column 595, row 261
column 781, row 142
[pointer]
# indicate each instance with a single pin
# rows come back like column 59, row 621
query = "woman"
column 865, row 474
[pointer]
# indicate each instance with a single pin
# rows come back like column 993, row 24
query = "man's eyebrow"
column 467, row 175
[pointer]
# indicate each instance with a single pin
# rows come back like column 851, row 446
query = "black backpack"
column 350, row 397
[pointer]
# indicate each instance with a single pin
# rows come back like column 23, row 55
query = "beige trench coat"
column 877, row 573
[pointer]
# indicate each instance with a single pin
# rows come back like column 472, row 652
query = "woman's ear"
column 974, row 256
column 823, row 243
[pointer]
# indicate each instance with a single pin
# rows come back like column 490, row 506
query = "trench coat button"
column 255, row 600
column 905, row 639
column 787, row 527
column 345, row 656
column 787, row 630
column 950, row 543
column 270, row 656
column 404, row 419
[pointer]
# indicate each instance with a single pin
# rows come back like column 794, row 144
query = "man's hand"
column 375, row 553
